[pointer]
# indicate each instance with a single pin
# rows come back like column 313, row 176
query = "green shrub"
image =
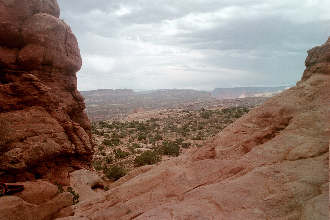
column 107, row 142
column 142, row 127
column 186, row 145
column 95, row 131
column 206, row 114
column 184, row 129
column 119, row 153
column 158, row 137
column 122, row 134
column 179, row 141
column 76, row 196
column 59, row 188
column 131, row 149
column 141, row 136
column 198, row 137
column 151, row 140
column 170, row 148
column 132, row 124
column 97, row 164
column 136, row 145
column 104, row 124
column 236, row 111
column 114, row 141
column 114, row 173
column 109, row 159
column 147, row 158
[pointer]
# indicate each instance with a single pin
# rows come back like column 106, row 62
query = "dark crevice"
column 314, row 156
column 97, row 186
column 37, row 176
column 200, row 185
column 4, row 80
column 137, row 215
column 65, row 42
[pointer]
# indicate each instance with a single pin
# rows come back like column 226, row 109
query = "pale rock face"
column 272, row 163
column 87, row 184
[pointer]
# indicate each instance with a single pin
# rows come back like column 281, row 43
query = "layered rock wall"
column 44, row 132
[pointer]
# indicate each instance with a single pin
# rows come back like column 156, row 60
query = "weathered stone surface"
column 318, row 61
column 15, row 208
column 86, row 183
column 271, row 164
column 46, row 132
column 37, row 192
column 14, row 12
column 58, row 46
column 66, row 212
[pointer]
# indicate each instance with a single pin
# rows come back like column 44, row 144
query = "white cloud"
column 98, row 63
column 122, row 11
column 147, row 44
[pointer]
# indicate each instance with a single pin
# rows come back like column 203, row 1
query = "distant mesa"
column 243, row 92
column 107, row 104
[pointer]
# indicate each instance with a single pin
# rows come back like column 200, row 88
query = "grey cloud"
column 145, row 44
column 269, row 33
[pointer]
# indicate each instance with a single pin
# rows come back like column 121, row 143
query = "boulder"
column 15, row 208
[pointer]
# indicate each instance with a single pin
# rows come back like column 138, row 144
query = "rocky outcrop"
column 39, row 200
column 270, row 164
column 44, row 132
column 318, row 61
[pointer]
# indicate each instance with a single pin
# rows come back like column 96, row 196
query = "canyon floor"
column 148, row 137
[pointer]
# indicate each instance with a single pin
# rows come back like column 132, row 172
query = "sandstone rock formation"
column 39, row 200
column 44, row 132
column 270, row 164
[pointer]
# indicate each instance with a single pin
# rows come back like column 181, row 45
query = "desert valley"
column 235, row 153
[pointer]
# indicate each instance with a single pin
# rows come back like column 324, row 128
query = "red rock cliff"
column 44, row 132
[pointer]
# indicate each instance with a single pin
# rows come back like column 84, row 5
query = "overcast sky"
column 199, row 44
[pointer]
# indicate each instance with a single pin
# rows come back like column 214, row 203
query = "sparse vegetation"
column 119, row 153
column 97, row 164
column 115, row 172
column 123, row 145
column 59, row 188
column 170, row 148
column 75, row 195
column 147, row 158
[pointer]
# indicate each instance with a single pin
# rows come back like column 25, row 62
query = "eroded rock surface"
column 44, row 132
column 270, row 164
column 15, row 208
